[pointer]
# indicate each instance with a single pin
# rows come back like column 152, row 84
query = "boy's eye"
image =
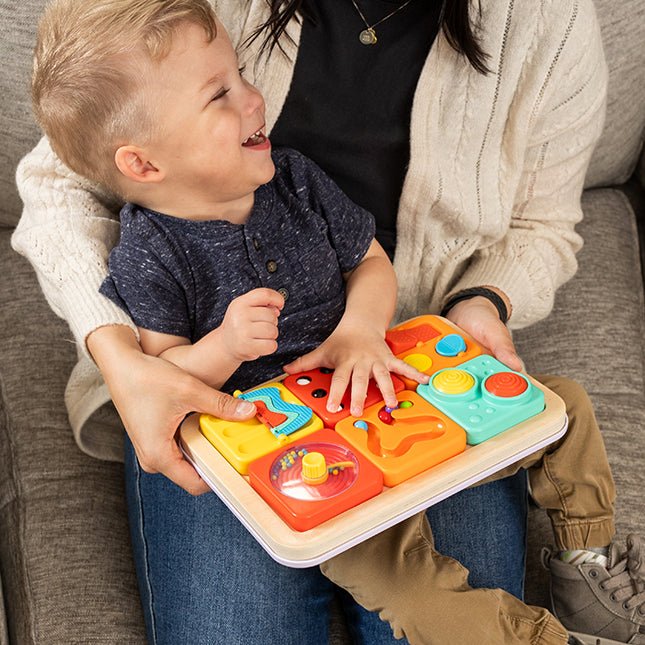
column 221, row 93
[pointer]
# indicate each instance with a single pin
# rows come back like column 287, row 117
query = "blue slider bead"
column 361, row 424
column 451, row 345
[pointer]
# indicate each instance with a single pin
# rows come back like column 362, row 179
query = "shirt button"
column 284, row 293
column 272, row 266
column 256, row 244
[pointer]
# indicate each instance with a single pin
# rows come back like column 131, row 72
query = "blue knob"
column 451, row 345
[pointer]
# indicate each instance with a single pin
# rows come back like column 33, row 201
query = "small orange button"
column 506, row 384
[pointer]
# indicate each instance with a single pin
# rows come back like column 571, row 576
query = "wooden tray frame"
column 309, row 548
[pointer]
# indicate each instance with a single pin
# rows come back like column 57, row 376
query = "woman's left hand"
column 479, row 317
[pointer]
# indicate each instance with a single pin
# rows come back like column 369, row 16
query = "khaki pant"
column 425, row 596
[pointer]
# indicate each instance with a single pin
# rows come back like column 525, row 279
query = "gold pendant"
column 367, row 36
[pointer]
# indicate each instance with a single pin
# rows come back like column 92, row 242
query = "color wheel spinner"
column 315, row 479
column 315, row 471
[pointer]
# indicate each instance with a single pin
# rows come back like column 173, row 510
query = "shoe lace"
column 627, row 574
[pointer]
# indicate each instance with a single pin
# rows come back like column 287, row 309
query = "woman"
column 470, row 152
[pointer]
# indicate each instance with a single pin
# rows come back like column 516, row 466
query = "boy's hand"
column 250, row 326
column 356, row 354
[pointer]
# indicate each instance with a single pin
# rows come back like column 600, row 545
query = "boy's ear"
column 133, row 163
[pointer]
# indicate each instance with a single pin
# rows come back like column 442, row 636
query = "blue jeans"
column 204, row 579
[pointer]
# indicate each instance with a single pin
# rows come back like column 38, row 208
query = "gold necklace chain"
column 368, row 35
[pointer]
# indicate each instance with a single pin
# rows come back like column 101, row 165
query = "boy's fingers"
column 262, row 347
column 264, row 331
column 385, row 385
column 263, row 297
column 261, row 314
column 360, row 380
column 405, row 369
column 339, row 383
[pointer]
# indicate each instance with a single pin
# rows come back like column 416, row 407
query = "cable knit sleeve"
column 66, row 231
column 537, row 255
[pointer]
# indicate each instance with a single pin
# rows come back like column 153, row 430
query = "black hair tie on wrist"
column 467, row 294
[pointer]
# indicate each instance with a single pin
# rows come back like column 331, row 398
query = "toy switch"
column 314, row 468
column 483, row 396
column 451, row 345
column 506, row 384
column 401, row 340
column 279, row 416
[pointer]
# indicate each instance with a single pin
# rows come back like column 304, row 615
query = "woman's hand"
column 479, row 317
column 152, row 397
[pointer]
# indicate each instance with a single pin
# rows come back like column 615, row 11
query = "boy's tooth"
column 253, row 139
column 255, row 134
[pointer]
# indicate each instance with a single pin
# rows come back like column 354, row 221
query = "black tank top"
column 349, row 104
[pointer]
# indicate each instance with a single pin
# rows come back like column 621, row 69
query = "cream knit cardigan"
column 491, row 196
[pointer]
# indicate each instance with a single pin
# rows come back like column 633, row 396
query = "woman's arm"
column 537, row 255
column 66, row 231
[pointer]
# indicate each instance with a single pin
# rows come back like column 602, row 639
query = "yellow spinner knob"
column 314, row 468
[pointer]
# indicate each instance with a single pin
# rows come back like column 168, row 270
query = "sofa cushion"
column 596, row 335
column 623, row 32
column 66, row 563
column 598, row 317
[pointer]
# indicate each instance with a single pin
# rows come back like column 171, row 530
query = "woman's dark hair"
column 454, row 20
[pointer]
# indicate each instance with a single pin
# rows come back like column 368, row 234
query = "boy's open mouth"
column 255, row 139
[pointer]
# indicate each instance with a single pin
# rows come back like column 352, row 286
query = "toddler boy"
column 224, row 242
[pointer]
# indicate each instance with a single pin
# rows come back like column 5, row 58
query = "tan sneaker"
column 601, row 605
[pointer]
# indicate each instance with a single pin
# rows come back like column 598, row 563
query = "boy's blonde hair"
column 87, row 82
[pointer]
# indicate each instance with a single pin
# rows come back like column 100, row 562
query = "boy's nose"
column 253, row 100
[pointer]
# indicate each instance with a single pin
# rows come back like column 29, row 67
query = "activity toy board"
column 309, row 484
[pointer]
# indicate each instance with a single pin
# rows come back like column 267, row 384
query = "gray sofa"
column 66, row 571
